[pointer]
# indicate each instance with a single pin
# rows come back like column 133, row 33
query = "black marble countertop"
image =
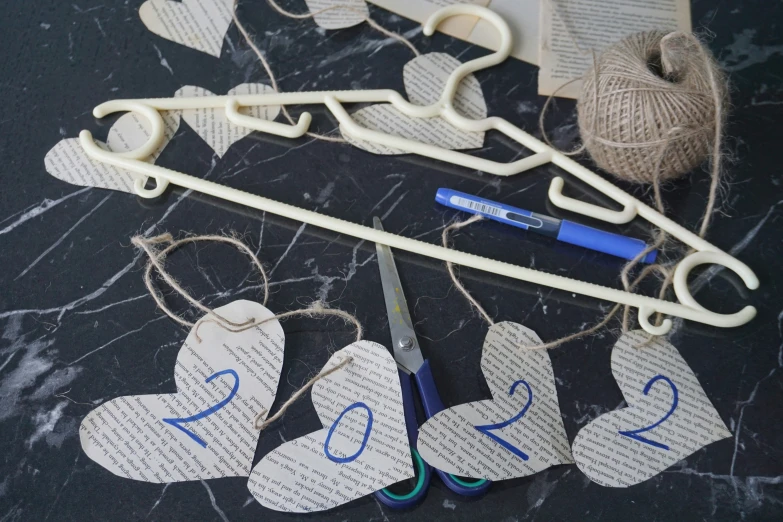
column 78, row 327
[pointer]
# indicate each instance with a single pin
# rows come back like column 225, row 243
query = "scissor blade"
column 406, row 347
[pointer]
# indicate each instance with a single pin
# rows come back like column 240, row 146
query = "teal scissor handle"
column 406, row 500
column 468, row 484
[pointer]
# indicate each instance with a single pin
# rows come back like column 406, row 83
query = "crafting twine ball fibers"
column 648, row 106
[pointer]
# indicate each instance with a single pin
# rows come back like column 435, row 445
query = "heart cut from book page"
column 338, row 14
column 425, row 77
column 668, row 416
column 212, row 124
column 204, row 430
column 198, row 24
column 68, row 161
column 518, row 432
column 362, row 448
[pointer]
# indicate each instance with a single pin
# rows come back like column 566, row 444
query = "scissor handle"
column 433, row 405
column 407, row 500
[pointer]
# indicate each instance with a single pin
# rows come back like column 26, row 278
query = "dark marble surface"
column 78, row 327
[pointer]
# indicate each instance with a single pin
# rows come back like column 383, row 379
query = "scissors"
column 413, row 368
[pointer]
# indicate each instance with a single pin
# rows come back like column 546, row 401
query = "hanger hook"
column 472, row 66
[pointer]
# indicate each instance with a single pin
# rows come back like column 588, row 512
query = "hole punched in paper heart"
column 668, row 417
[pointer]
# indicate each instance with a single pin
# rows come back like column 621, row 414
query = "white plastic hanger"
column 704, row 253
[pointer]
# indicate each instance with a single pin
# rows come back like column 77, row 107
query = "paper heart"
column 205, row 430
column 668, row 416
column 519, row 432
column 68, row 161
column 362, row 448
column 198, row 24
column 212, row 124
column 338, row 14
column 424, row 78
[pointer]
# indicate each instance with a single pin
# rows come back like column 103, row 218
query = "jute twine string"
column 298, row 394
column 157, row 260
column 249, row 39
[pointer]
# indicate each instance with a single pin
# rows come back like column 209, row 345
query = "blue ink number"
column 367, row 430
column 634, row 434
column 489, row 427
column 177, row 423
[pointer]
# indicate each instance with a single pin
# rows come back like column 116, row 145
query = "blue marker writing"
column 560, row 229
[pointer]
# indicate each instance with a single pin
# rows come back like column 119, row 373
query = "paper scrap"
column 519, row 432
column 572, row 29
column 522, row 17
column 362, row 448
column 668, row 417
column 198, row 24
column 212, row 124
column 205, row 430
column 424, row 78
column 68, row 161
column 338, row 14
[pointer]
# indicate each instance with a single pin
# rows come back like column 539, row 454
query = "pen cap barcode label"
column 476, row 206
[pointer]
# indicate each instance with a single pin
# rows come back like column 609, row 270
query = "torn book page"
column 424, row 78
column 571, row 30
column 362, row 448
column 211, row 123
column 338, row 14
column 198, row 24
column 204, row 430
column 68, row 161
column 518, row 432
column 668, row 416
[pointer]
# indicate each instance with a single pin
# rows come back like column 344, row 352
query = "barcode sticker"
column 476, row 206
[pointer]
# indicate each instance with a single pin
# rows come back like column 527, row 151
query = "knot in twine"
column 651, row 107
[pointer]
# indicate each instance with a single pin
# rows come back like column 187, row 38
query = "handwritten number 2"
column 634, row 434
column 177, row 423
column 489, row 427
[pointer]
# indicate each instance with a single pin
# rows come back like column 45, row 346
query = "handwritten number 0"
column 487, row 428
column 177, row 423
column 634, row 434
column 367, row 430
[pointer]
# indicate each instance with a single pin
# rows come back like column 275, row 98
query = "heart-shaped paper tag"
column 519, row 432
column 205, row 430
column 212, row 124
column 668, row 416
column 198, row 24
column 338, row 14
column 68, row 161
column 362, row 448
column 424, row 78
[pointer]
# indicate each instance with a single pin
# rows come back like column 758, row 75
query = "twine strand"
column 265, row 64
column 452, row 273
column 157, row 259
column 297, row 395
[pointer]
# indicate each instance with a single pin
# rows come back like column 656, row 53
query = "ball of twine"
column 648, row 106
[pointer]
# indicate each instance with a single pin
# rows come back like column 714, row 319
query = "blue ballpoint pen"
column 560, row 229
